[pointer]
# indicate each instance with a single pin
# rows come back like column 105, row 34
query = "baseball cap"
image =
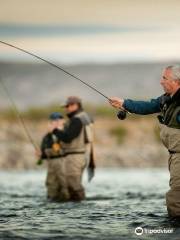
column 55, row 116
column 72, row 100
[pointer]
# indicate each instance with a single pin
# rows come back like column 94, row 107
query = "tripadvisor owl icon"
column 139, row 231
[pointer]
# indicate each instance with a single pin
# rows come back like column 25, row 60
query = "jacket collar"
column 72, row 114
column 167, row 99
column 176, row 96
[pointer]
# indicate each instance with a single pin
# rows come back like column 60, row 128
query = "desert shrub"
column 157, row 134
column 119, row 132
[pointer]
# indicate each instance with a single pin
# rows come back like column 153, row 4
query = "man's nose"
column 162, row 81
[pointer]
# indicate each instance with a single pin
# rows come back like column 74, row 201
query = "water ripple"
column 116, row 204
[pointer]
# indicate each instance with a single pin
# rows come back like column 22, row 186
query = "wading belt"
column 173, row 152
column 65, row 154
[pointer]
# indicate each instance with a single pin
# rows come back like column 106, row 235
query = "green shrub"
column 157, row 134
column 39, row 113
column 100, row 110
column 33, row 113
column 120, row 133
column 8, row 114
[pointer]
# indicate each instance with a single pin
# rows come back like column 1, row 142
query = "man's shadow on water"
column 166, row 221
column 171, row 222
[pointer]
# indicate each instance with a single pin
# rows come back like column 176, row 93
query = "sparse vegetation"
column 107, row 130
column 33, row 113
column 39, row 113
column 105, row 111
column 42, row 112
column 120, row 133
column 157, row 134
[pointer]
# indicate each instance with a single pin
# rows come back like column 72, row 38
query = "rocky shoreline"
column 139, row 148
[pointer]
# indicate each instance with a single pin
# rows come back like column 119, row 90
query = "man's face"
column 169, row 85
column 72, row 108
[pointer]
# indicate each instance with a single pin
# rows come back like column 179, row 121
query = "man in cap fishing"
column 77, row 137
column 77, row 146
column 168, row 105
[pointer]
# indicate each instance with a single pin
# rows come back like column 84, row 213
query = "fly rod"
column 15, row 109
column 121, row 114
column 56, row 66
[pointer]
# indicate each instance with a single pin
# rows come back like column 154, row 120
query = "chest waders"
column 170, row 136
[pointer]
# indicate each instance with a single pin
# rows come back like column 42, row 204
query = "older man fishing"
column 168, row 105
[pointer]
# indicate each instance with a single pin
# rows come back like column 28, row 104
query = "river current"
column 118, row 201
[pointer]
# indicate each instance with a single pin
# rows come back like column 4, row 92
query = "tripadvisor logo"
column 139, row 231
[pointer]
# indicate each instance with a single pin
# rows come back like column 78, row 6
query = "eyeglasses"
column 166, row 79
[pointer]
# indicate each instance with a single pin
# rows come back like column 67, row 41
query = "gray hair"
column 175, row 72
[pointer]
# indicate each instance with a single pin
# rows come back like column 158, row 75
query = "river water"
column 118, row 201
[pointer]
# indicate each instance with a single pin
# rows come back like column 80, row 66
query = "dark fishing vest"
column 170, row 110
column 51, row 147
